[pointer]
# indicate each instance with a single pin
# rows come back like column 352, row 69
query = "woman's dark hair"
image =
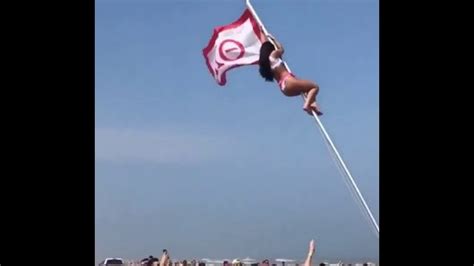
column 265, row 51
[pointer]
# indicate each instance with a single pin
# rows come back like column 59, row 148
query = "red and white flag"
column 233, row 45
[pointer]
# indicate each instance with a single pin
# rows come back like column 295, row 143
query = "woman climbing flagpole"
column 326, row 136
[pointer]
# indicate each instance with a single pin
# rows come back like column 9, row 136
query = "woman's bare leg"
column 310, row 89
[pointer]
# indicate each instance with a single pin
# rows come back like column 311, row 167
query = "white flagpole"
column 326, row 136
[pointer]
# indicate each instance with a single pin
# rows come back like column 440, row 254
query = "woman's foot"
column 315, row 107
column 307, row 107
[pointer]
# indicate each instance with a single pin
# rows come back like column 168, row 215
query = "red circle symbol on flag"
column 227, row 48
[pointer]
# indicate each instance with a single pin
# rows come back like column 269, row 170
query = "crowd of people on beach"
column 165, row 260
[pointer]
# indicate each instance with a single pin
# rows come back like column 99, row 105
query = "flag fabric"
column 233, row 45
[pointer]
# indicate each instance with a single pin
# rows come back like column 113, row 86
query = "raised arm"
column 277, row 43
column 311, row 251
column 279, row 48
column 164, row 258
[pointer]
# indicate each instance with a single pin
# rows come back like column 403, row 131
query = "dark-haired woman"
column 272, row 68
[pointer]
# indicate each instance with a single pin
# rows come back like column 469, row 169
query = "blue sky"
column 239, row 170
